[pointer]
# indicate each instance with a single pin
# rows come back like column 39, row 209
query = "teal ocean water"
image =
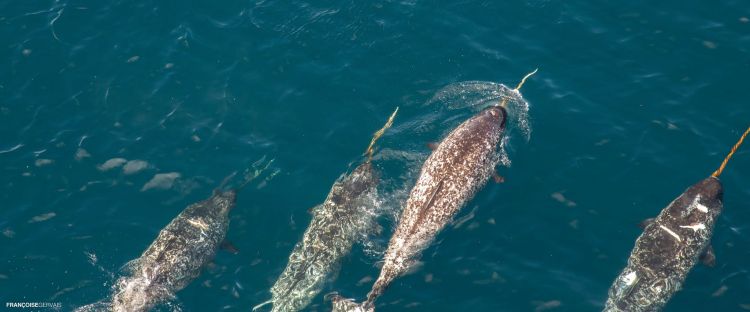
column 634, row 101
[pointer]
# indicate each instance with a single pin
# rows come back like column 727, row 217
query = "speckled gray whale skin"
column 667, row 250
column 176, row 256
column 459, row 166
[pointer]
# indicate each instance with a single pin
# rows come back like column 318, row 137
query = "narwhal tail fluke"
column 381, row 284
column 504, row 102
column 378, row 134
column 737, row 145
column 341, row 304
column 267, row 302
column 256, row 169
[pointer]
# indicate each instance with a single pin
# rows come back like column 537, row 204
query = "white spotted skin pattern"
column 661, row 260
column 176, row 256
column 333, row 230
column 451, row 175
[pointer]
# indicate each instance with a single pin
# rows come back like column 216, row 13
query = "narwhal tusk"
column 378, row 134
column 520, row 84
column 737, row 145
column 518, row 87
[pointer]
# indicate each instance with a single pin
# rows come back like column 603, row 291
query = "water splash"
column 94, row 261
column 502, row 153
column 478, row 95
column 394, row 190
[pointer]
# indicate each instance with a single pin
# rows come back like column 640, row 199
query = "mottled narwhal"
column 670, row 245
column 176, row 257
column 336, row 225
column 458, row 167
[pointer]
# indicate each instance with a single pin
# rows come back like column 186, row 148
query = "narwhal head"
column 697, row 208
column 710, row 189
column 496, row 114
column 223, row 201
column 216, row 207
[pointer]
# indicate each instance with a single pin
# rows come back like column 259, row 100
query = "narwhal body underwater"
column 458, row 167
column 669, row 247
column 345, row 216
column 176, row 257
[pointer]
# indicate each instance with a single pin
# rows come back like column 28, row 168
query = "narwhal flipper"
column 228, row 246
column 497, row 177
column 129, row 267
column 708, row 258
column 312, row 210
column 646, row 223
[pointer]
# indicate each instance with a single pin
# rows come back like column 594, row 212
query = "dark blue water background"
column 634, row 102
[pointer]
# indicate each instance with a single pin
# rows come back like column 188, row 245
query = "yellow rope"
column 520, row 84
column 378, row 134
column 717, row 173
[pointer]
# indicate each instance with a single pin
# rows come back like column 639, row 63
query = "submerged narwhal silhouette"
column 346, row 215
column 178, row 254
column 670, row 245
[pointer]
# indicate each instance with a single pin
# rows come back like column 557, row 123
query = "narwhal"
column 458, row 167
column 670, row 246
column 344, row 217
column 177, row 255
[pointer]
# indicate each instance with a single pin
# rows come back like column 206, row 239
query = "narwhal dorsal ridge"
column 457, row 168
column 421, row 214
